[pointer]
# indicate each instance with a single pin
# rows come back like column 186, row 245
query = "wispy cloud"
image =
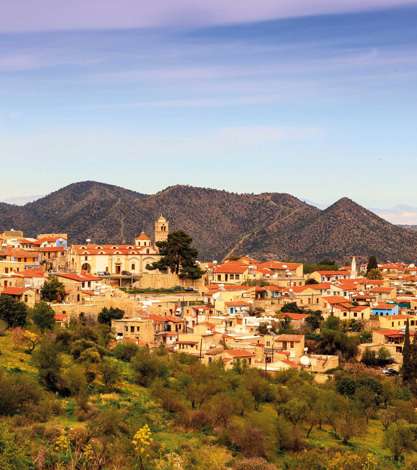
column 400, row 215
column 30, row 15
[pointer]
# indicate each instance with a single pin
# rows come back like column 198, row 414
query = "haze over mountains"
column 263, row 225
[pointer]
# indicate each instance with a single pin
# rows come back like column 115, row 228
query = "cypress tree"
column 413, row 363
column 407, row 368
column 372, row 264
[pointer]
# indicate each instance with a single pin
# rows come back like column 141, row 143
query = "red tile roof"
column 142, row 236
column 78, row 277
column 230, row 268
column 384, row 306
column 288, row 337
column 17, row 291
column 237, row 353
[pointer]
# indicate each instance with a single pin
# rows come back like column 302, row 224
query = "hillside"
column 221, row 223
column 61, row 410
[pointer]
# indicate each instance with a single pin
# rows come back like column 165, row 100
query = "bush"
column 12, row 311
column 148, row 367
column 125, row 351
column 53, row 290
column 43, row 316
column 109, row 314
column 18, row 394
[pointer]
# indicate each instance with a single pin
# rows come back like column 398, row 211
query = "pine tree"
column 179, row 256
column 407, row 368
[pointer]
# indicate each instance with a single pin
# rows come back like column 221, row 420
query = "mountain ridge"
column 265, row 225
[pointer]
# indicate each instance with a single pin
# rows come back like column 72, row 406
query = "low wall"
column 166, row 281
column 129, row 306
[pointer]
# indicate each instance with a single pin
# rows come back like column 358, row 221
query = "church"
column 119, row 260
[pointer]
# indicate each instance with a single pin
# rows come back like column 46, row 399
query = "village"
column 241, row 311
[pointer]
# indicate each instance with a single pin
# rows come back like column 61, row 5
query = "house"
column 385, row 309
column 329, row 275
column 17, row 260
column 297, row 319
column 78, row 284
column 292, row 343
column 280, row 273
column 390, row 339
column 27, row 296
column 352, row 312
column 230, row 272
column 238, row 307
column 137, row 330
column 397, row 321
column 238, row 357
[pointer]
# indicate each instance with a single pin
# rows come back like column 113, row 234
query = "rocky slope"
column 221, row 223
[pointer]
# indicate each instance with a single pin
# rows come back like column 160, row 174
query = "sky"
column 317, row 99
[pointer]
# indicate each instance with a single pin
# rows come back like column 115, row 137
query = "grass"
column 14, row 358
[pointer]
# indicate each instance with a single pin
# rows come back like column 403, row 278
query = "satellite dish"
column 305, row 361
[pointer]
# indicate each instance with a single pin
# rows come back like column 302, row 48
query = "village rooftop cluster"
column 242, row 311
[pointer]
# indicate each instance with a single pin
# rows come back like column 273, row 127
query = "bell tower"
column 161, row 229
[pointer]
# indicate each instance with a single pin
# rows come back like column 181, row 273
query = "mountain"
column 21, row 200
column 410, row 227
column 263, row 225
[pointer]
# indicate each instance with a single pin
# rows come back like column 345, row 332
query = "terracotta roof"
column 333, row 273
column 359, row 308
column 236, row 353
column 384, row 306
column 237, row 303
column 51, row 238
column 397, row 333
column 142, row 236
column 399, row 317
column 288, row 337
column 51, row 249
column 18, row 253
column 95, row 250
column 164, row 318
column 78, row 277
column 295, row 316
column 335, row 299
column 230, row 267
column 13, row 291
column 279, row 265
column 33, row 273
column 320, row 285
column 60, row 316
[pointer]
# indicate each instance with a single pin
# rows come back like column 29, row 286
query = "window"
column 138, row 328
column 126, row 328
column 133, row 267
column 132, row 329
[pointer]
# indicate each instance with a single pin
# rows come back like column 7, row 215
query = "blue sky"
column 320, row 106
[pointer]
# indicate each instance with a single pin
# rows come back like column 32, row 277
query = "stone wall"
column 166, row 281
